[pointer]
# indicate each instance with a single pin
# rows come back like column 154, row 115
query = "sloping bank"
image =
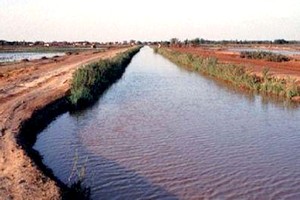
column 88, row 83
column 235, row 74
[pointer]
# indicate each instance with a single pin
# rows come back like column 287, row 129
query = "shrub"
column 91, row 80
column 264, row 55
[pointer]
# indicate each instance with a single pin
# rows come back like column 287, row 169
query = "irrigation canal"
column 162, row 132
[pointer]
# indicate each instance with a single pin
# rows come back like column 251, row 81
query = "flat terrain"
column 29, row 86
column 279, row 69
column 24, row 88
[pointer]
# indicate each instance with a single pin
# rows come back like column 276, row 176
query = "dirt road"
column 24, row 88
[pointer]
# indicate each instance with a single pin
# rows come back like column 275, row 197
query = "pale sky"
column 117, row 20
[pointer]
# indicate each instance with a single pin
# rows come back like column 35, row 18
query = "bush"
column 264, row 55
column 91, row 80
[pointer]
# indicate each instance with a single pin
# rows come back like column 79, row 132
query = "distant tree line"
column 13, row 43
column 65, row 43
column 201, row 41
column 172, row 42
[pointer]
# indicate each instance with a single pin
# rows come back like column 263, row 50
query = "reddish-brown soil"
column 282, row 69
column 24, row 88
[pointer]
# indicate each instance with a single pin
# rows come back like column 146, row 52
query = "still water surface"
column 162, row 132
column 18, row 56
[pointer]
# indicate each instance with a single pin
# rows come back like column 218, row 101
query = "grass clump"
column 77, row 189
column 235, row 74
column 264, row 55
column 91, row 80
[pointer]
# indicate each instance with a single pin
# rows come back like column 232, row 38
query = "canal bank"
column 162, row 132
column 237, row 74
column 36, row 93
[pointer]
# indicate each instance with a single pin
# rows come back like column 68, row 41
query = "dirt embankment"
column 279, row 69
column 24, row 88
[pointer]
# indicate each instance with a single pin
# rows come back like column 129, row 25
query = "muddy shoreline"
column 29, row 131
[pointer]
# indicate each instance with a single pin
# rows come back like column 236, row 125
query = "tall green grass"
column 234, row 74
column 91, row 80
column 264, row 55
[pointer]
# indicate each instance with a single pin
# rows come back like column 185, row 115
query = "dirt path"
column 24, row 88
column 283, row 69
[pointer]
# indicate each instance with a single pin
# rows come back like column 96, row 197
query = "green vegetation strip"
column 264, row 55
column 235, row 74
column 91, row 80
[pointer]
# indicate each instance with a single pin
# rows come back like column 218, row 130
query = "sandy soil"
column 283, row 69
column 24, row 88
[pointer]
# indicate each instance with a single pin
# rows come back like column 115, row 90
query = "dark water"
column 164, row 133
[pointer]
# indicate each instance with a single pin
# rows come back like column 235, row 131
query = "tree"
column 280, row 41
column 132, row 42
column 195, row 42
column 174, row 41
column 186, row 42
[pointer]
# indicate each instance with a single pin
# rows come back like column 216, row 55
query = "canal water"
column 162, row 132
